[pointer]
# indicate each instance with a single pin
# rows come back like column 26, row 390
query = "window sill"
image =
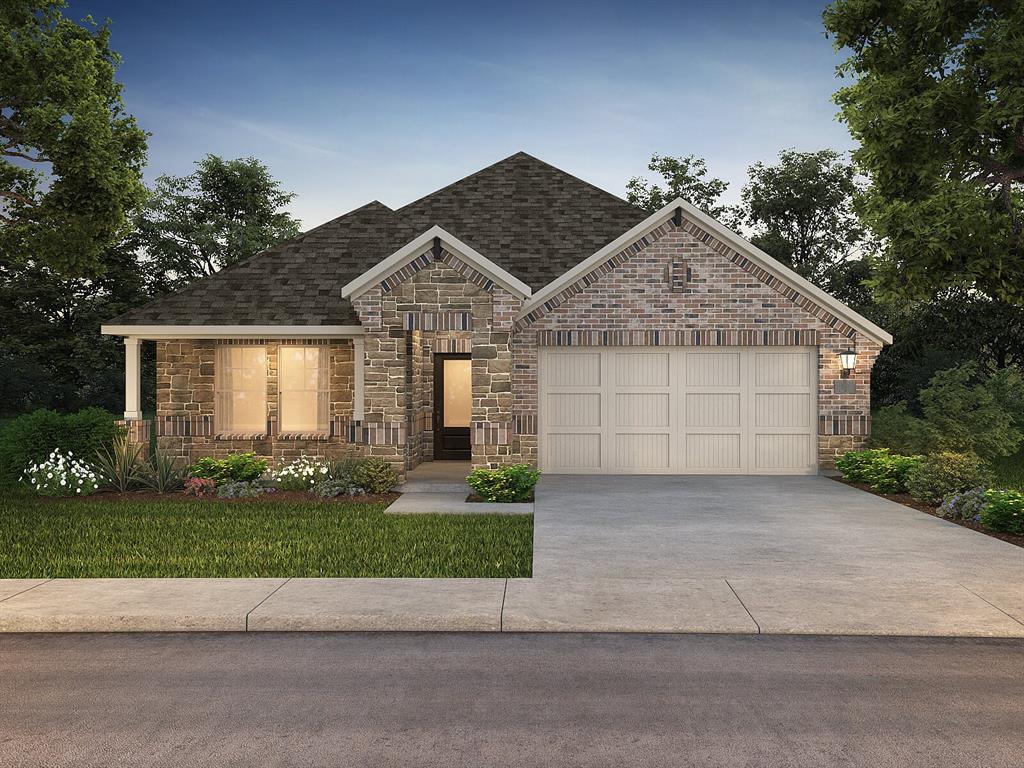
column 322, row 436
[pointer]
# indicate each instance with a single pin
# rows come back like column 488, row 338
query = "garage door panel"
column 782, row 409
column 642, row 451
column 781, row 369
column 643, row 369
column 713, row 369
column 713, row 451
column 679, row 410
column 575, row 409
column 642, row 409
column 777, row 452
column 573, row 369
column 574, row 451
column 712, row 409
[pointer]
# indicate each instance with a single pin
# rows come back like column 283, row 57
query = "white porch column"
column 132, row 378
column 359, row 360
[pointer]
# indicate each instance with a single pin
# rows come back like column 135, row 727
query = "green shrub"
column 31, row 438
column 164, row 473
column 330, row 489
column 301, row 474
column 121, row 465
column 243, row 467
column 885, row 472
column 374, row 475
column 508, row 484
column 855, row 464
column 241, row 489
column 942, row 474
column 1004, row 511
column 969, row 413
column 200, row 487
column 966, row 505
column 62, row 475
column 901, row 432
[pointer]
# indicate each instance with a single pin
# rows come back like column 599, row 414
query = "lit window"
column 241, row 388
column 303, row 388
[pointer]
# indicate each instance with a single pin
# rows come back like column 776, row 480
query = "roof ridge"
column 519, row 154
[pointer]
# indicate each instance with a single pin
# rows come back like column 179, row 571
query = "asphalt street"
column 509, row 700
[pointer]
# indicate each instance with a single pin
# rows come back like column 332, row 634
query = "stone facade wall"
column 679, row 284
column 186, row 423
column 440, row 306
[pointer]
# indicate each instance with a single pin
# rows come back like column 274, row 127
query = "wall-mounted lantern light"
column 847, row 361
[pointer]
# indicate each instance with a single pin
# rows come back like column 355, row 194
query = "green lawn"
column 89, row 538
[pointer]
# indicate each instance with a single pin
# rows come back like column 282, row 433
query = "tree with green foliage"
column 51, row 352
column 683, row 177
column 956, row 327
column 71, row 158
column 800, row 212
column 937, row 106
column 226, row 211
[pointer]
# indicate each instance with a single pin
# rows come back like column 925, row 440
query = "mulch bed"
column 275, row 496
column 909, row 501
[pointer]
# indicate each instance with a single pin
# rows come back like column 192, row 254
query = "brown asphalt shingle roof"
column 530, row 218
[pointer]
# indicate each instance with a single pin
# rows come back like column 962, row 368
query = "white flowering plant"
column 62, row 475
column 302, row 474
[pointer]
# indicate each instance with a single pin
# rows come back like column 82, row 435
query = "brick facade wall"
column 644, row 293
column 678, row 285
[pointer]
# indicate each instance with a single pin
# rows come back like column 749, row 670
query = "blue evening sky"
column 350, row 102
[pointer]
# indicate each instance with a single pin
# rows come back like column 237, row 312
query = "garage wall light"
column 847, row 361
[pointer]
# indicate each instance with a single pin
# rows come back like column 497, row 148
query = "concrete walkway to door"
column 769, row 554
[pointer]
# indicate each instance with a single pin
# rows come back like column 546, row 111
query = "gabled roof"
column 425, row 242
column 785, row 275
column 529, row 218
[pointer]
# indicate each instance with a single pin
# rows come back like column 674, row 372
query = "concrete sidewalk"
column 782, row 555
column 779, row 606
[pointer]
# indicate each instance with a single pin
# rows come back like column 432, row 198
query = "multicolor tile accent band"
column 844, row 424
column 525, row 423
column 695, row 338
column 370, row 432
column 184, row 426
column 424, row 260
column 486, row 433
column 443, row 346
column 437, row 321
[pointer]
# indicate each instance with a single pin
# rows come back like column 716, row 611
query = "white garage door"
column 669, row 410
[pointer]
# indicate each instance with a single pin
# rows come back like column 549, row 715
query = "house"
column 517, row 315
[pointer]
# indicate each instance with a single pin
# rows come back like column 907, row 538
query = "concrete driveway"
column 768, row 554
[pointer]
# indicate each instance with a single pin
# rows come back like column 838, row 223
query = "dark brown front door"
column 453, row 406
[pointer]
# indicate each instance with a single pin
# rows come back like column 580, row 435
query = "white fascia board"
column 421, row 245
column 752, row 252
column 160, row 332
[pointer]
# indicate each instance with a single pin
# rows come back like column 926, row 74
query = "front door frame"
column 450, row 443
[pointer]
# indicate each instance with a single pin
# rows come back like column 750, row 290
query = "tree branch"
column 20, row 198
column 11, row 153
